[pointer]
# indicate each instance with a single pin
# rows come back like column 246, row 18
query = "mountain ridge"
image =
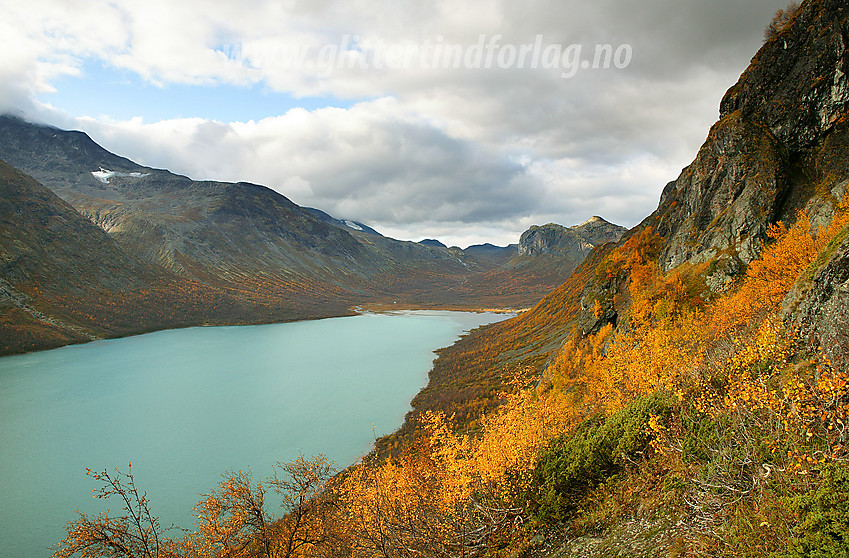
column 272, row 258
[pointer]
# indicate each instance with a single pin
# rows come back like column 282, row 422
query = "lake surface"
column 187, row 405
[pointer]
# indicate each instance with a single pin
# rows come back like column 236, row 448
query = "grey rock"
column 576, row 241
column 821, row 311
column 724, row 271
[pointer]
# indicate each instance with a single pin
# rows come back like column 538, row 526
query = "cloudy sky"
column 465, row 121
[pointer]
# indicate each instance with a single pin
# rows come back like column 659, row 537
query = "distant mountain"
column 47, row 247
column 498, row 255
column 488, row 248
column 213, row 229
column 432, row 242
column 245, row 252
column 572, row 241
column 64, row 280
column 551, row 252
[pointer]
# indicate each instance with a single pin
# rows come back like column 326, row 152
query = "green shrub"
column 823, row 517
column 597, row 449
column 701, row 434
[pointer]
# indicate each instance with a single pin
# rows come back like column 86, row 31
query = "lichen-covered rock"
column 722, row 273
column 597, row 306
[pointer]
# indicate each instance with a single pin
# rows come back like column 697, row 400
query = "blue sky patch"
column 102, row 90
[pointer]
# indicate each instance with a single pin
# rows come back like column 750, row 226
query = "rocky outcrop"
column 576, row 241
column 553, row 239
column 797, row 85
column 597, row 306
column 821, row 312
column 598, row 231
column 722, row 273
column 773, row 149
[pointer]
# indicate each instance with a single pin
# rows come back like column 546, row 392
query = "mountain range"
column 162, row 250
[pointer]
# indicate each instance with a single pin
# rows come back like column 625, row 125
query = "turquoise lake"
column 187, row 405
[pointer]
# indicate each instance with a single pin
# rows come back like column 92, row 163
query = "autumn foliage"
column 710, row 404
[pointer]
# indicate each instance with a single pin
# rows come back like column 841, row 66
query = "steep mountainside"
column 64, row 280
column 42, row 242
column 779, row 142
column 690, row 384
column 781, row 145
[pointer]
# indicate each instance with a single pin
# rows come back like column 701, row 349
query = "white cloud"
column 442, row 148
column 371, row 162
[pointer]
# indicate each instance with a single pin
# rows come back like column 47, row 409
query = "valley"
column 679, row 388
column 158, row 250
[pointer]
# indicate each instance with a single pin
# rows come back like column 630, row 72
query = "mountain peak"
column 432, row 242
column 576, row 240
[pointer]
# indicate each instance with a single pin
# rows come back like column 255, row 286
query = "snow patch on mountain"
column 104, row 175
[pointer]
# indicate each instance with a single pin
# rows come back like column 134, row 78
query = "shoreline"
column 374, row 308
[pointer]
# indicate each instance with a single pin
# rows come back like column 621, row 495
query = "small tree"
column 779, row 20
column 300, row 482
column 137, row 534
column 234, row 520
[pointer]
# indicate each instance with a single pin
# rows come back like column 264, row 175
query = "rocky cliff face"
column 775, row 148
column 552, row 239
column 576, row 241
